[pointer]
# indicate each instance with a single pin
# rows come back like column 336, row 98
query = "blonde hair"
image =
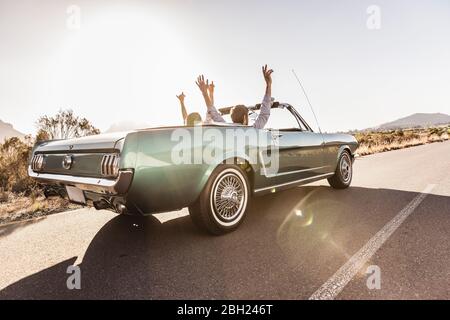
column 193, row 118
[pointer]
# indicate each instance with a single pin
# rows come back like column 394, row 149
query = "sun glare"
column 121, row 59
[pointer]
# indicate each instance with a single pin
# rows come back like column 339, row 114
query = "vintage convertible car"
column 151, row 170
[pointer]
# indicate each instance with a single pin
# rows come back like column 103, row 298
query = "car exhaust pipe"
column 121, row 208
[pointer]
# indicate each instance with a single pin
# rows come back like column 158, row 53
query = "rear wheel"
column 344, row 172
column 222, row 204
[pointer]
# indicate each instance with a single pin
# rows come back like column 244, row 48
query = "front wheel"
column 222, row 204
column 344, row 172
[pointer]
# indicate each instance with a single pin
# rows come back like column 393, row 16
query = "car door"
column 300, row 150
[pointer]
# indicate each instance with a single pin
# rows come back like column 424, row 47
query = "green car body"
column 143, row 178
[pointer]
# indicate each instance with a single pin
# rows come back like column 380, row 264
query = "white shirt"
column 260, row 122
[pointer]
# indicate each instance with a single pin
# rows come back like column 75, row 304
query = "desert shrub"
column 379, row 141
column 14, row 154
column 435, row 131
column 411, row 135
column 4, row 196
column 64, row 125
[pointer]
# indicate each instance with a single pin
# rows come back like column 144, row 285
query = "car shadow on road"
column 288, row 245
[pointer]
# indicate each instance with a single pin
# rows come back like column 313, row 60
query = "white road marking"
column 330, row 289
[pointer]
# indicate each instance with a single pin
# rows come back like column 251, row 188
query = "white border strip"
column 330, row 289
column 295, row 182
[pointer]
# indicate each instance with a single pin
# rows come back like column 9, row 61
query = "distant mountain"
column 7, row 131
column 416, row 120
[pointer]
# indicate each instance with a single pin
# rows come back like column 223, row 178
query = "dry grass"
column 15, row 207
column 374, row 142
column 20, row 197
column 14, row 154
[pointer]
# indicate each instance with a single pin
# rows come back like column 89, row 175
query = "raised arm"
column 211, row 87
column 211, row 92
column 211, row 110
column 183, row 107
column 264, row 112
column 203, row 86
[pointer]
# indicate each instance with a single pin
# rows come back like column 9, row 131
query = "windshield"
column 280, row 119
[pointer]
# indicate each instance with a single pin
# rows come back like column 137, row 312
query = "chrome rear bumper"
column 117, row 186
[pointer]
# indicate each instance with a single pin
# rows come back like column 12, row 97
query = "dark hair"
column 192, row 118
column 238, row 113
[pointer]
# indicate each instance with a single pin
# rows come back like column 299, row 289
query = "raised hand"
column 181, row 97
column 203, row 86
column 183, row 107
column 267, row 75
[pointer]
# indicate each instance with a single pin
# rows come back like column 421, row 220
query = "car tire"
column 223, row 202
column 344, row 172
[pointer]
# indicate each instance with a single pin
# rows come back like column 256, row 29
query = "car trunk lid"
column 86, row 154
column 97, row 143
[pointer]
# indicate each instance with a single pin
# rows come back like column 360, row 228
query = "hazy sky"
column 129, row 59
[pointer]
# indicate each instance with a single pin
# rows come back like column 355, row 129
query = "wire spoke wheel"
column 222, row 204
column 346, row 168
column 228, row 196
column 344, row 171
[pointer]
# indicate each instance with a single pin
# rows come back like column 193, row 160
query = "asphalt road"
column 310, row 241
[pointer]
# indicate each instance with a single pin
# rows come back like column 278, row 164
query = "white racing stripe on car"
column 330, row 289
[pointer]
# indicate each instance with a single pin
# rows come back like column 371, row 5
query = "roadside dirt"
column 18, row 207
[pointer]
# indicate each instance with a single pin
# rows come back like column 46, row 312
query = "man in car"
column 239, row 113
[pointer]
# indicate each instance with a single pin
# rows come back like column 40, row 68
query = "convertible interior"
column 283, row 117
